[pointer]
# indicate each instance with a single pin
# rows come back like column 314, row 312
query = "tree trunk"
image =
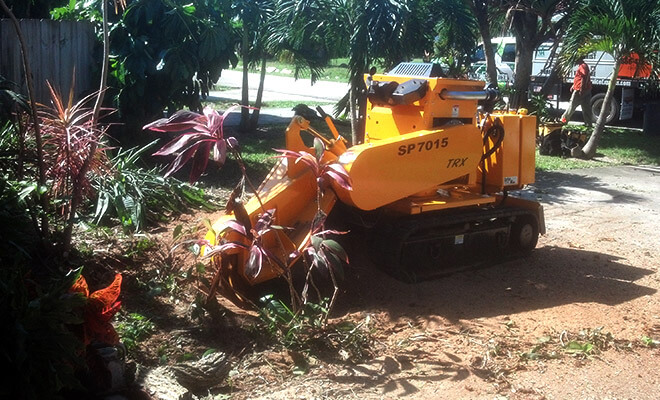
column 525, row 26
column 480, row 11
column 589, row 149
column 77, row 184
column 523, row 73
column 245, row 98
column 254, row 118
column 35, row 120
column 362, row 113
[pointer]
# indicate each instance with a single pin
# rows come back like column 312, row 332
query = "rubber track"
column 391, row 238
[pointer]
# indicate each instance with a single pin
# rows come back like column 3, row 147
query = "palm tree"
column 623, row 28
column 533, row 22
column 456, row 39
column 382, row 32
column 484, row 11
column 254, row 15
column 286, row 29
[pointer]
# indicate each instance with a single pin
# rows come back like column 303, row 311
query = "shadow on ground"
column 549, row 277
column 558, row 187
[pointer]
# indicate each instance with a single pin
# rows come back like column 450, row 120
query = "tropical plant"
column 254, row 18
column 542, row 108
column 484, row 11
column 137, row 196
column 200, row 134
column 533, row 22
column 43, row 227
column 628, row 30
column 380, row 31
column 167, row 53
column 369, row 31
column 320, row 252
column 79, row 10
column 99, row 308
column 308, row 330
column 11, row 101
column 133, row 329
column 456, row 36
column 70, row 142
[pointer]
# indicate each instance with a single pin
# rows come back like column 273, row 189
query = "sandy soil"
column 501, row 332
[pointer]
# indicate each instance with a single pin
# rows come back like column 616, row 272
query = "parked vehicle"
column 504, row 49
column 630, row 82
column 629, row 85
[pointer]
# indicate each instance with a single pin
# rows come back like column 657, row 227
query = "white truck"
column 628, row 86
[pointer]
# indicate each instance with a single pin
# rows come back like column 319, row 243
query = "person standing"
column 581, row 94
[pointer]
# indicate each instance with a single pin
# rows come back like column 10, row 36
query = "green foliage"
column 137, row 196
column 44, row 353
column 585, row 343
column 456, row 37
column 141, row 247
column 11, row 101
column 293, row 329
column 540, row 106
column 614, row 26
column 618, row 146
column 167, row 53
column 306, row 330
column 542, row 350
column 78, row 10
column 15, row 225
column 133, row 329
column 650, row 342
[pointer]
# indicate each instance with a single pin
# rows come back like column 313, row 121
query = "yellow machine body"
column 416, row 149
column 425, row 151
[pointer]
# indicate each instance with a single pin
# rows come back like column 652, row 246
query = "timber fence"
column 55, row 49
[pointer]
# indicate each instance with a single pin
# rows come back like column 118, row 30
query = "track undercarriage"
column 426, row 246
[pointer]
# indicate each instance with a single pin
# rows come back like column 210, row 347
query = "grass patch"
column 630, row 147
column 618, row 146
column 336, row 71
column 224, row 104
column 257, row 151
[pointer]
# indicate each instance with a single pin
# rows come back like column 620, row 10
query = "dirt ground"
column 572, row 320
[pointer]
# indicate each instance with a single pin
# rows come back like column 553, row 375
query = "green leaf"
column 189, row 8
column 176, row 233
column 27, row 191
column 200, row 268
column 207, row 352
column 336, row 249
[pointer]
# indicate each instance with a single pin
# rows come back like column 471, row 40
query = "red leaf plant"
column 324, row 172
column 99, row 309
column 199, row 135
column 69, row 132
column 257, row 252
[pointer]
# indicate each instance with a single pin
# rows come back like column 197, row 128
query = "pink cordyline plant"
column 257, row 252
column 69, row 132
column 324, row 172
column 199, row 135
